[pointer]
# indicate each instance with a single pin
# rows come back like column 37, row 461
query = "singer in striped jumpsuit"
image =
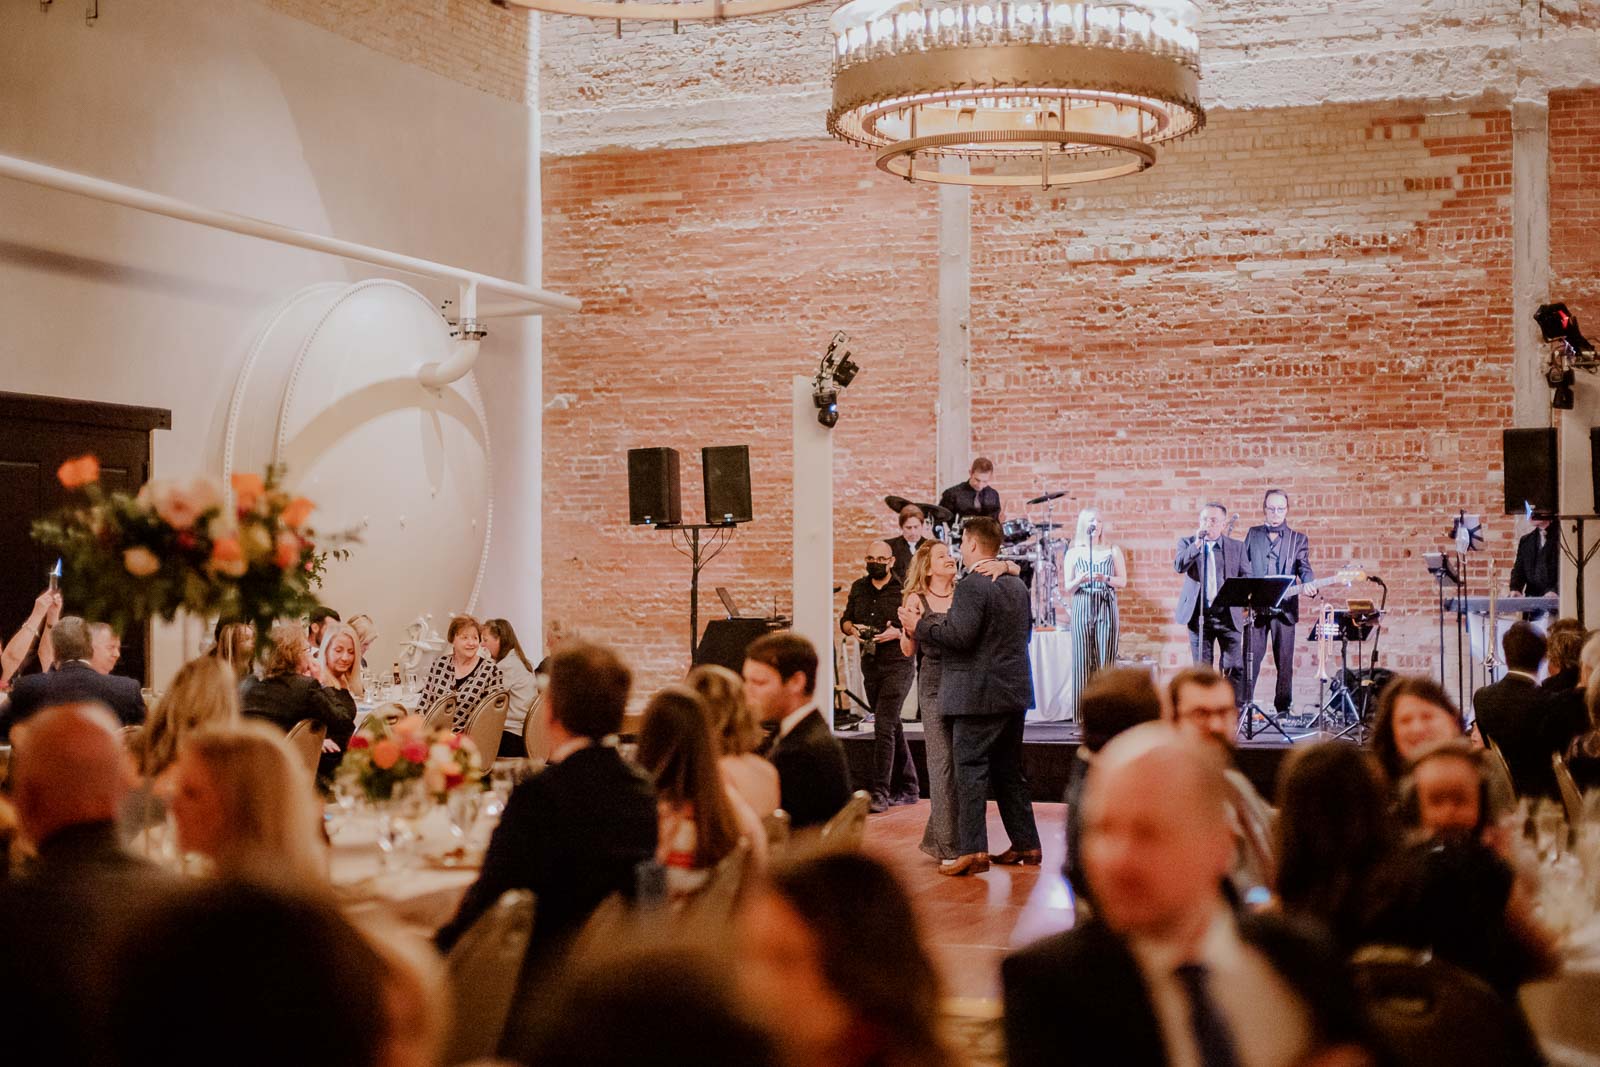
column 1092, row 573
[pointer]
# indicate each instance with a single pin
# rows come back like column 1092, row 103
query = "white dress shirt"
column 1271, row 1025
column 791, row 720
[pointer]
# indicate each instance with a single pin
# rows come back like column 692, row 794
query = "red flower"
column 453, row 778
column 360, row 741
column 415, row 751
column 77, row 473
column 455, row 741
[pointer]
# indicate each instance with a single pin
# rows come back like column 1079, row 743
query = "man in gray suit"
column 984, row 693
column 1206, row 560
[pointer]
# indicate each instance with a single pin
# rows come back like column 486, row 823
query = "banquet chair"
column 1429, row 1011
column 129, row 734
column 483, row 968
column 486, row 722
column 710, row 908
column 776, row 826
column 438, row 716
column 306, row 739
column 5, row 763
column 1571, row 799
column 388, row 713
column 848, row 828
column 1562, row 1012
column 1499, row 768
column 531, row 739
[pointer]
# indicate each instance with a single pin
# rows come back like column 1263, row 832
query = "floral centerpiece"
column 185, row 546
column 382, row 758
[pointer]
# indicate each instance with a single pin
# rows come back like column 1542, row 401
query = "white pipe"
column 469, row 338
column 530, row 301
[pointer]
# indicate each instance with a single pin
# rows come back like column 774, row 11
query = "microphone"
column 1375, row 580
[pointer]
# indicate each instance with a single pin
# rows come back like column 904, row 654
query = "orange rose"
column 227, row 557
column 77, row 473
column 288, row 550
column 385, row 754
column 140, row 562
column 298, row 511
column 248, row 490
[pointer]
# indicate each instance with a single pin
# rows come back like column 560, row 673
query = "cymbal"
column 897, row 504
column 1057, row 495
column 935, row 513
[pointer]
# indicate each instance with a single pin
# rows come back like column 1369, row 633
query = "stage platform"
column 1048, row 750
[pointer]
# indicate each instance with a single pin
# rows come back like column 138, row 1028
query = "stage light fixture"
column 846, row 371
column 835, row 372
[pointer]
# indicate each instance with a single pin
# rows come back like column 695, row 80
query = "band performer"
column 1537, row 571
column 904, row 546
column 975, row 496
column 1273, row 549
column 1091, row 574
column 1206, row 560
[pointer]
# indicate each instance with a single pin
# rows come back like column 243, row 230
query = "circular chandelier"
column 656, row 10
column 1024, row 93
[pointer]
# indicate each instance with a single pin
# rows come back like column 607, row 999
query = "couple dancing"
column 974, row 686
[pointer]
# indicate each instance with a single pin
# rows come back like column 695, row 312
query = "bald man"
column 872, row 614
column 69, row 776
column 1165, row 972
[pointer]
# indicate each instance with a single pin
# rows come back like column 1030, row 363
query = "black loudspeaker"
column 1530, row 462
column 727, row 482
column 725, row 640
column 655, row 496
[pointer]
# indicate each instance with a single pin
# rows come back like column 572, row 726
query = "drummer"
column 912, row 531
column 975, row 496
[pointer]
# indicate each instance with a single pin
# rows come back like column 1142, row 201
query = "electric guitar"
column 1348, row 575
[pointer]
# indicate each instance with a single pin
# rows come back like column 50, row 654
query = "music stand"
column 1259, row 596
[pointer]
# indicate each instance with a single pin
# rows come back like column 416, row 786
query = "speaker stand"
column 1577, row 554
column 697, row 562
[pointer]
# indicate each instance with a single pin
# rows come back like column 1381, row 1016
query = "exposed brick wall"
column 710, row 278
column 1339, row 275
column 469, row 41
column 1575, row 204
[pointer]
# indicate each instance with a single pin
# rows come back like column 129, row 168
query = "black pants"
column 1222, row 649
column 887, row 678
column 988, row 754
column 1279, row 635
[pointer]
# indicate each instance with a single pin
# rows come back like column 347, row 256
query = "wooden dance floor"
column 971, row 922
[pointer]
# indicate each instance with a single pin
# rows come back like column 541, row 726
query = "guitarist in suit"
column 1206, row 560
column 1270, row 549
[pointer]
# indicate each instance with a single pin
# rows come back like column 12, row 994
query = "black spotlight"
column 1556, row 323
column 846, row 371
column 827, row 401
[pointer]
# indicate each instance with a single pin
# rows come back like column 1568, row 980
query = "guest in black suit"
column 1165, row 972
column 780, row 677
column 1521, row 719
column 1206, row 560
column 1537, row 571
column 905, row 546
column 59, row 920
column 74, row 679
column 1271, row 549
column 575, row 832
column 985, row 690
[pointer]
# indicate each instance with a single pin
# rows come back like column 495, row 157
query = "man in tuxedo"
column 1525, row 722
column 1165, row 972
column 74, row 680
column 1537, row 570
column 1274, row 549
column 780, row 679
column 69, row 776
column 985, row 690
column 576, row 832
column 1206, row 560
column 905, row 546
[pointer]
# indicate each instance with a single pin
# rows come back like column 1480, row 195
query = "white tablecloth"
column 424, row 896
column 1051, row 653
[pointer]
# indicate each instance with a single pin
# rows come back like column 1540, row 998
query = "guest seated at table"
column 234, row 643
column 1414, row 714
column 1583, row 752
column 575, row 832
column 289, row 691
column 463, row 672
column 1563, row 646
column 737, row 734
column 1461, row 899
column 1336, row 839
column 69, row 777
column 74, row 680
column 46, row 613
column 252, row 976
column 317, row 621
column 339, row 670
column 831, row 959
column 1166, row 971
column 500, row 641
column 1520, row 719
column 700, row 820
column 367, row 633
column 203, row 694
column 241, row 799
column 780, row 674
column 1116, row 699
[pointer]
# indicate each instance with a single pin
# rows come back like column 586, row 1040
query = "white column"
column 955, row 341
column 813, row 535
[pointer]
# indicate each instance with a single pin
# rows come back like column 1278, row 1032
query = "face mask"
column 876, row 571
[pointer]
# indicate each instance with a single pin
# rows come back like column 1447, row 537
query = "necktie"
column 1211, row 1034
column 1211, row 573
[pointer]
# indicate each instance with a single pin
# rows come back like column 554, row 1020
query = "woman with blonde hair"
column 737, row 734
column 1092, row 573
column 243, row 800
column 203, row 694
column 931, row 584
column 235, row 645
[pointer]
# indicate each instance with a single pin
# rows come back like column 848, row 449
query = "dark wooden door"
column 37, row 435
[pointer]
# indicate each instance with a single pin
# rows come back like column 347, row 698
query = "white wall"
column 231, row 105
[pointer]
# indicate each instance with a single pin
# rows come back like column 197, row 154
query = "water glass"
column 1549, row 830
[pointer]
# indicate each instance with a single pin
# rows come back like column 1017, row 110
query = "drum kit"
column 1029, row 542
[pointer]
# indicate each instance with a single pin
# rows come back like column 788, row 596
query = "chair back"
column 306, row 739
column 389, row 713
column 483, row 968
column 1562, row 1012
column 486, row 722
column 438, row 716
column 535, row 743
column 1499, row 768
column 1571, row 799
column 1428, row 1011
column 776, row 826
column 130, row 735
column 711, row 907
column 848, row 828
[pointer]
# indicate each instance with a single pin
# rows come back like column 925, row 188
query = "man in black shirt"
column 872, row 615
column 974, row 496
column 905, row 546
